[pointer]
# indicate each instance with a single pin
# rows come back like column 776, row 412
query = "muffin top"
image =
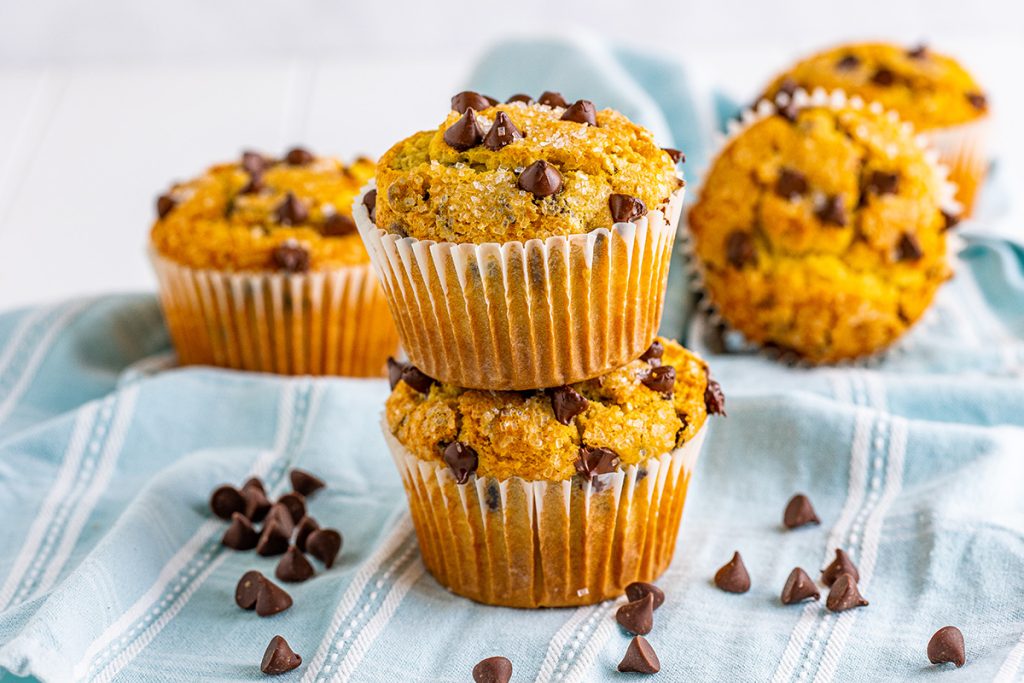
column 522, row 170
column 292, row 214
column 821, row 229
column 926, row 88
column 641, row 410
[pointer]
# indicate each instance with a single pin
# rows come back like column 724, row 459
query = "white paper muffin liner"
column 963, row 149
column 332, row 322
column 520, row 543
column 526, row 315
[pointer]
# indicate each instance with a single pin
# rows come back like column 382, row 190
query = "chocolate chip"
column 279, row 657
column 324, row 545
column 416, row 379
column 305, row 483
column 240, row 535
column 462, row 460
column 370, row 202
column 799, row 587
column 977, row 100
column 788, row 86
column 848, row 63
column 164, row 205
column 799, row 512
column 467, row 99
column 541, row 179
column 394, row 372
column 640, row 589
column 492, row 670
column 226, row 500
column 640, row 658
column 273, row 541
column 949, row 220
column 653, row 353
column 271, row 599
column 581, row 111
column 502, row 133
column 882, row 182
column 740, row 250
column 293, row 567
column 291, row 211
column 637, row 617
column 832, row 211
column 256, row 502
column 908, row 248
column 247, row 589
column 626, row 208
column 339, row 225
column 297, row 156
column 552, row 99
column 918, row 51
column 841, row 565
column 675, row 155
column 733, row 577
column 291, row 257
column 844, row 594
column 714, row 399
column 661, row 379
column 465, row 133
column 283, row 516
column 520, row 97
column 947, row 647
column 567, row 403
column 883, row 77
column 254, row 185
column 295, row 504
column 791, row 184
column 303, row 529
column 254, row 163
column 594, row 461
column 789, row 112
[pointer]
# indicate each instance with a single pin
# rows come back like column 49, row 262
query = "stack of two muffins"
column 545, row 437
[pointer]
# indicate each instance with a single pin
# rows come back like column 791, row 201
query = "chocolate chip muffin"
column 524, row 244
column 820, row 229
column 551, row 497
column 261, row 268
column 930, row 90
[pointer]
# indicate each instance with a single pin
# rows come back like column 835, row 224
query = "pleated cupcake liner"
column 963, row 149
column 333, row 322
column 518, row 543
column 526, row 315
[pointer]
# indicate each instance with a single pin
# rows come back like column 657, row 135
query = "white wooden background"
column 103, row 103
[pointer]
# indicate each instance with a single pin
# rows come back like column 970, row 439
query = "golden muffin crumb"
column 522, row 170
column 821, row 230
column 538, row 435
column 259, row 213
column 926, row 88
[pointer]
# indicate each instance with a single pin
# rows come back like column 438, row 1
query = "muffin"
column 928, row 89
column 261, row 267
column 551, row 497
column 821, row 228
column 525, row 244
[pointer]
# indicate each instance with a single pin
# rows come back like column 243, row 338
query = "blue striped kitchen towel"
column 111, row 567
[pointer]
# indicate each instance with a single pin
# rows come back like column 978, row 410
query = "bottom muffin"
column 551, row 497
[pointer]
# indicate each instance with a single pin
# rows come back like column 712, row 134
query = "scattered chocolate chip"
column 791, row 184
column 882, row 182
column 594, row 461
column 247, row 589
column 799, row 512
column 164, row 205
column 324, row 545
column 283, row 516
column 394, row 372
column 848, row 63
column 271, row 599
column 567, row 403
column 370, row 202
column 462, row 459
column 291, row 257
column 297, row 156
column 640, row 589
column 789, row 112
column 492, row 670
column 273, row 540
column 279, row 657
column 303, row 529
column 908, row 248
column 661, row 378
column 467, row 99
column 675, row 155
column 832, row 211
column 339, row 225
column 256, row 502
column 918, row 51
column 788, row 86
column 626, row 208
column 733, row 577
column 653, row 353
column 226, row 500
column 254, row 163
column 714, row 399
column 305, row 483
column 740, row 250
column 883, row 77
column 977, row 100
column 949, row 220
column 296, row 505
column 240, row 535
column 291, row 211
column 552, row 99
column 581, row 111
column 254, row 185
column 947, row 647
column 416, row 379
column 293, row 567
column 844, row 594
column 841, row 565
column 520, row 97
column 637, row 617
column 541, row 179
column 502, row 133
column 465, row 133
column 799, row 587
column 640, row 658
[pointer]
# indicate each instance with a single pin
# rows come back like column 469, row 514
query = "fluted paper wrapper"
column 526, row 315
column 520, row 543
column 332, row 322
column 963, row 150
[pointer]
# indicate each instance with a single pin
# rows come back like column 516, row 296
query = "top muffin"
column 522, row 170
column 260, row 213
column 927, row 89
